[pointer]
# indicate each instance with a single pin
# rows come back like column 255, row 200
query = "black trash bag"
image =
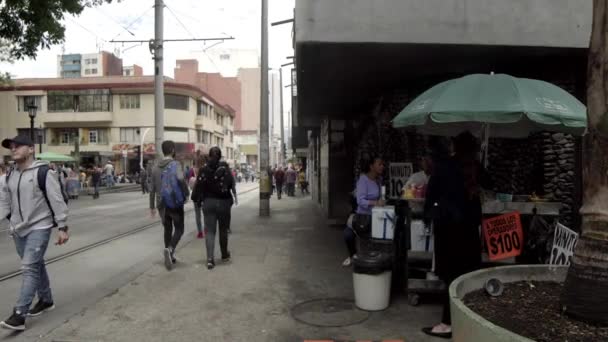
column 539, row 241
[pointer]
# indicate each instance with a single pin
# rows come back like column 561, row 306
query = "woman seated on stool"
column 368, row 195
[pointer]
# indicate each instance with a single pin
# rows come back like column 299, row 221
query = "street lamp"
column 31, row 111
column 40, row 136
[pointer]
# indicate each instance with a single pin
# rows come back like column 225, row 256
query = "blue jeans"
column 109, row 181
column 35, row 280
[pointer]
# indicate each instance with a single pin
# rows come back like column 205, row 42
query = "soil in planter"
column 532, row 309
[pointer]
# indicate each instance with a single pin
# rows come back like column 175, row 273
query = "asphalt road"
column 81, row 280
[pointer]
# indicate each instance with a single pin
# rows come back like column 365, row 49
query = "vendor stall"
column 498, row 106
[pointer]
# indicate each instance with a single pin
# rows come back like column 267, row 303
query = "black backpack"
column 43, row 171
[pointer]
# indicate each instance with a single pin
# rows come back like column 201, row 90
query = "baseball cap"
column 20, row 140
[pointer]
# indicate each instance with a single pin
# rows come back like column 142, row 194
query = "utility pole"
column 282, row 159
column 264, row 138
column 159, row 90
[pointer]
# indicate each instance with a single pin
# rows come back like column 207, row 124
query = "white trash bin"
column 372, row 280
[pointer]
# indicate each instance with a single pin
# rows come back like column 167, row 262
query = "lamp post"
column 31, row 112
column 40, row 136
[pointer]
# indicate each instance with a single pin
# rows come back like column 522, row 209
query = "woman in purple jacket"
column 368, row 195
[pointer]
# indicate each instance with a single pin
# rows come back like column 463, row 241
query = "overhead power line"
column 133, row 22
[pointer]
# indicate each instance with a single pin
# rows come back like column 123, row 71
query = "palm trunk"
column 586, row 288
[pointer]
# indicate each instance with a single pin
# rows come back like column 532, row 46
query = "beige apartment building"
column 110, row 118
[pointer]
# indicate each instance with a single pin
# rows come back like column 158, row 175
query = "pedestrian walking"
column 143, row 180
column 303, row 182
column 109, row 173
column 169, row 193
column 31, row 222
column 198, row 207
column 214, row 191
column 290, row 179
column 96, row 180
column 279, row 179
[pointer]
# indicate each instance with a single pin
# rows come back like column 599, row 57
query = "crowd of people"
column 211, row 187
column 285, row 179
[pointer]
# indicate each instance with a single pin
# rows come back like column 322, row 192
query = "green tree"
column 27, row 25
column 585, row 295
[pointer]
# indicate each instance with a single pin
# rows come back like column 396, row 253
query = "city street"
column 82, row 279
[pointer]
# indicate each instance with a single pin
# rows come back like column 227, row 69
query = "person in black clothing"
column 453, row 204
column 214, row 189
column 96, row 180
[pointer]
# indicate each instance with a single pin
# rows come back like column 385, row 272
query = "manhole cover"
column 329, row 312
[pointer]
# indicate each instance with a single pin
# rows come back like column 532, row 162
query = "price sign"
column 398, row 174
column 504, row 236
column 564, row 241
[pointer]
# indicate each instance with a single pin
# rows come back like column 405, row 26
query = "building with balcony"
column 358, row 63
column 98, row 64
column 109, row 116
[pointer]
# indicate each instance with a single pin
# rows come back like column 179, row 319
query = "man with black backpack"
column 168, row 193
column 32, row 199
column 214, row 189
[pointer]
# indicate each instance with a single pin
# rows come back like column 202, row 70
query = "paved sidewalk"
column 278, row 262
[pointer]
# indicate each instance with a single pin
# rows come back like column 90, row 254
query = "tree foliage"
column 27, row 25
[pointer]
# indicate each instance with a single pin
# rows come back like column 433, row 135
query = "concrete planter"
column 469, row 326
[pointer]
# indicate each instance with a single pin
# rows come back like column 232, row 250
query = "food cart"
column 500, row 106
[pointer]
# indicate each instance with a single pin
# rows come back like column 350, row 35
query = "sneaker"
column 210, row 264
column 40, row 308
column 200, row 235
column 226, row 258
column 347, row 262
column 173, row 258
column 168, row 262
column 15, row 322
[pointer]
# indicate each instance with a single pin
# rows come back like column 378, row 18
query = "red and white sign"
column 504, row 236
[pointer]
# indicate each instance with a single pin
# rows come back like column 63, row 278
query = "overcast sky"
column 96, row 27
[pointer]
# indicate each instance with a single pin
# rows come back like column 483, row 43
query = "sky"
column 96, row 27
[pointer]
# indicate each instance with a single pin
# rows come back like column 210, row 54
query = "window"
column 202, row 108
column 129, row 101
column 93, row 71
column 67, row 136
column 231, row 137
column 39, row 134
column 130, row 134
column 206, row 137
column 93, row 100
column 93, row 134
column 87, row 71
column 231, row 121
column 218, row 118
column 127, row 72
column 179, row 102
column 87, row 61
column 24, row 101
column 93, row 61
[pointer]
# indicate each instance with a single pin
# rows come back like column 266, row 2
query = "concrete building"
column 360, row 62
column 132, row 70
column 109, row 116
column 227, row 62
column 89, row 65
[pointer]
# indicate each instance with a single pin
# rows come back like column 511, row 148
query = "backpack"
column 219, row 181
column 171, row 193
column 43, row 172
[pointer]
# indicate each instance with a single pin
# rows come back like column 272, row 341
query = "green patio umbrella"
column 504, row 105
column 55, row 157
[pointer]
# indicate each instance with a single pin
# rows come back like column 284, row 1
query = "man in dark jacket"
column 96, row 180
column 279, row 179
column 172, row 218
column 214, row 188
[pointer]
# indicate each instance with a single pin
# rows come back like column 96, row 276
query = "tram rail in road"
column 83, row 249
